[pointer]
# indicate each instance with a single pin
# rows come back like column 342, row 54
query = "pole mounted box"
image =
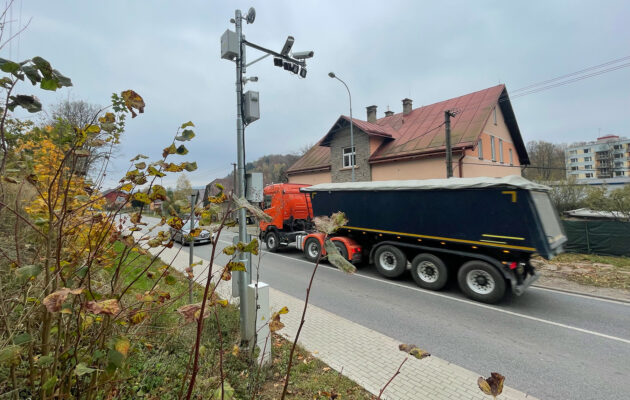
column 229, row 45
column 251, row 106
column 254, row 187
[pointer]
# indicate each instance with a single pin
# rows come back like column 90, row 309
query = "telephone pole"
column 449, row 152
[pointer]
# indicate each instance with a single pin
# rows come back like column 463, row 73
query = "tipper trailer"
column 482, row 231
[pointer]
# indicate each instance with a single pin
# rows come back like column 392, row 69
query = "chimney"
column 389, row 113
column 406, row 106
column 371, row 113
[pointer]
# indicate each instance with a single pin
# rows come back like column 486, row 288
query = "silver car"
column 182, row 235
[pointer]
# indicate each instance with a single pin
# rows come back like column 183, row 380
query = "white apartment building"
column 608, row 157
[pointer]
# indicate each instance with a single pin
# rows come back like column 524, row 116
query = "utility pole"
column 449, row 153
column 193, row 201
column 233, row 46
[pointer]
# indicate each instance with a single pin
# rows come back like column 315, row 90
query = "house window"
column 492, row 149
column 511, row 158
column 480, row 149
column 349, row 157
column 501, row 151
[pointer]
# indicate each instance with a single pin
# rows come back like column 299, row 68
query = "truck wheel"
column 390, row 261
column 312, row 249
column 481, row 281
column 429, row 271
column 342, row 249
column 271, row 240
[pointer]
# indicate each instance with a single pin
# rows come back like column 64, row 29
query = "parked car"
column 182, row 235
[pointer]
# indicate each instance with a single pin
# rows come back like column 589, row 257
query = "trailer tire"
column 390, row 261
column 342, row 249
column 312, row 249
column 481, row 281
column 429, row 272
column 272, row 241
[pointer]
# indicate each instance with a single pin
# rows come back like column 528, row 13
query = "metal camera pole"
column 245, row 276
column 193, row 200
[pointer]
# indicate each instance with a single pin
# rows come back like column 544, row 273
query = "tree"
column 568, row 195
column 547, row 161
column 616, row 201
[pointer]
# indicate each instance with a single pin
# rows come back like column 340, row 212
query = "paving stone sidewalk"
column 366, row 356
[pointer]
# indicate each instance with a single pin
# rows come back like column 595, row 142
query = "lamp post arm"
column 353, row 156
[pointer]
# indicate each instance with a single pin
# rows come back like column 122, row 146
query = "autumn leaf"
column 133, row 101
column 186, row 135
column 330, row 224
column 122, row 346
column 55, row 300
column 141, row 197
column 108, row 122
column 336, row 259
column 283, row 310
column 492, row 386
column 82, row 369
column 158, row 193
column 275, row 324
column 241, row 202
column 187, row 124
column 413, row 350
column 169, row 150
column 154, row 172
column 182, row 150
column 191, row 312
column 139, row 156
column 109, row 307
column 235, row 266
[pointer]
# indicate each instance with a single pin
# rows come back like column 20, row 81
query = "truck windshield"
column 548, row 216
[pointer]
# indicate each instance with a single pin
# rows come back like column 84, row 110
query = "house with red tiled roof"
column 485, row 141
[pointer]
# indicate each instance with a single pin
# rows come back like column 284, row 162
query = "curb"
column 596, row 296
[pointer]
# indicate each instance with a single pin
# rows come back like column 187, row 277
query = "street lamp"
column 353, row 156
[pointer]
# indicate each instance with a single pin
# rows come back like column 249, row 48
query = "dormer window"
column 349, row 157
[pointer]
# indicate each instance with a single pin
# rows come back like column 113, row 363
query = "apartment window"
column 574, row 168
column 588, row 166
column 573, row 152
column 618, row 146
column 511, row 158
column 620, row 173
column 480, row 149
column 588, row 158
column 618, row 164
column 349, row 157
column 574, row 160
column 587, row 150
column 501, row 151
column 618, row 155
column 589, row 174
column 492, row 149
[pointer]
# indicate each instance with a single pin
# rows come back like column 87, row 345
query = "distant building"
column 606, row 158
column 485, row 141
column 115, row 197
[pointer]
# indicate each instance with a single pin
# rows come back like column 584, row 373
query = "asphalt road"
column 550, row 344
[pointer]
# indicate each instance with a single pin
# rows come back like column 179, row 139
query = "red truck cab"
column 292, row 222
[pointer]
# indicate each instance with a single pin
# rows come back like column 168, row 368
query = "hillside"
column 273, row 167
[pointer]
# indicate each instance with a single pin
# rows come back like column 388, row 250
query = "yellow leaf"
column 133, row 101
column 283, row 310
column 222, row 302
column 235, row 351
column 122, row 346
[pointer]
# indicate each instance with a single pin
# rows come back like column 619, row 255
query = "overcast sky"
column 385, row 51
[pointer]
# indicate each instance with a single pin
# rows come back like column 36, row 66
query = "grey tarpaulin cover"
column 512, row 181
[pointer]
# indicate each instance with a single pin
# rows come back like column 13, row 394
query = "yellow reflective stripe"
column 442, row 238
column 503, row 237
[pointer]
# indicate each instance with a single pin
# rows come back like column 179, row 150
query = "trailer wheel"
column 481, row 281
column 390, row 261
column 342, row 249
column 272, row 242
column 429, row 272
column 312, row 249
